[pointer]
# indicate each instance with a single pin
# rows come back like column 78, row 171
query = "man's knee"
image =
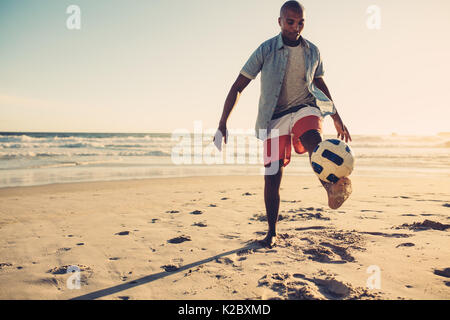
column 274, row 172
column 310, row 139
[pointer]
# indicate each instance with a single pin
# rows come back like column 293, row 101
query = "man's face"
column 291, row 23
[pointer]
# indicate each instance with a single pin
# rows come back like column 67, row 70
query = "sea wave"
column 31, row 146
column 73, row 164
column 36, row 155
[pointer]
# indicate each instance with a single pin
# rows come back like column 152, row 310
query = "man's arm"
column 232, row 98
column 340, row 127
column 320, row 84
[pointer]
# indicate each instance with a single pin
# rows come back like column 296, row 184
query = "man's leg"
column 272, row 201
column 337, row 192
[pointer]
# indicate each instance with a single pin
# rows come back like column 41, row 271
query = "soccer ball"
column 332, row 159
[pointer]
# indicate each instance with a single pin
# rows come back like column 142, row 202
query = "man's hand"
column 342, row 131
column 238, row 86
column 223, row 130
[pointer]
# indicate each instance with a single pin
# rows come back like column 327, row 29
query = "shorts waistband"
column 292, row 109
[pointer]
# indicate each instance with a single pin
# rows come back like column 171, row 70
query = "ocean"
column 28, row 159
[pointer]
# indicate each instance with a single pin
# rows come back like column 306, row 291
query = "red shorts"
column 290, row 127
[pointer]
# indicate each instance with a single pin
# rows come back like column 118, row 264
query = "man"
column 294, row 100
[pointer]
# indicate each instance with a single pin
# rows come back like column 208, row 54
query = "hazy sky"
column 159, row 65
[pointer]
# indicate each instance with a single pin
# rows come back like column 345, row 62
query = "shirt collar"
column 280, row 43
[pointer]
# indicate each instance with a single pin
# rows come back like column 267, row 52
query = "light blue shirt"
column 270, row 58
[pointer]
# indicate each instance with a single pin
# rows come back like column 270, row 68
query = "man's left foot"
column 339, row 192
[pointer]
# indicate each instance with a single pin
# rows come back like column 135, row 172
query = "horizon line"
column 445, row 133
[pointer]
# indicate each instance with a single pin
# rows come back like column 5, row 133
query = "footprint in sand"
column 170, row 268
column 406, row 244
column 311, row 228
column 229, row 236
column 310, row 216
column 340, row 251
column 65, row 269
column 122, row 233
column 224, row 260
column 425, row 225
column 199, row 224
column 300, row 287
column 443, row 273
column 335, row 249
column 244, row 252
column 321, row 254
column 179, row 239
column 5, row 265
column 174, row 265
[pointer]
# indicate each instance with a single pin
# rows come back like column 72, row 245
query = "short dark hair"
column 291, row 5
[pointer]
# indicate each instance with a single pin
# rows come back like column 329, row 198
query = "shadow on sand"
column 144, row 280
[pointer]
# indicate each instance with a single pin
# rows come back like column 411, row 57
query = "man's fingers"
column 222, row 135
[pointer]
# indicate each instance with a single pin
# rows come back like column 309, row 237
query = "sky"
column 159, row 65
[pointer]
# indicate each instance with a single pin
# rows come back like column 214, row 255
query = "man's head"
column 291, row 20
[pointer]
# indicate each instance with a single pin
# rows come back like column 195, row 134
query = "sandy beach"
column 194, row 238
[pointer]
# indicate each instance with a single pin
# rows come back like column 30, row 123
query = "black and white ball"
column 332, row 159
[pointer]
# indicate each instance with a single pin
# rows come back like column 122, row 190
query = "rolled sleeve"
column 319, row 70
column 254, row 64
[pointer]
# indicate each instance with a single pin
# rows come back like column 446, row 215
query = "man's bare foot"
column 269, row 241
column 339, row 192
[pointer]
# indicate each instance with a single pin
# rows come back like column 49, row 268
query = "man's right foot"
column 339, row 192
column 269, row 241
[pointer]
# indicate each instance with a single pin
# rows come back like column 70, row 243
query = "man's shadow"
column 141, row 281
